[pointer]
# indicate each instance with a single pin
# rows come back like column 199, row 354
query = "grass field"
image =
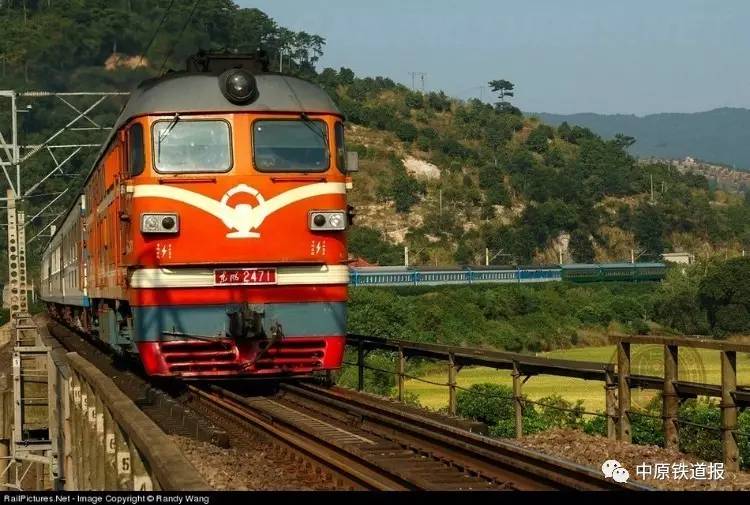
column 696, row 365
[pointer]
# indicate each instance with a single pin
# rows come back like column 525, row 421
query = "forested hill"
column 716, row 136
column 449, row 179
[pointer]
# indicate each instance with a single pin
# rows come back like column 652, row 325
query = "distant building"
column 683, row 258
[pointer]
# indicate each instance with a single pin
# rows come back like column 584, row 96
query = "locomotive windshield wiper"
column 166, row 133
column 311, row 125
column 305, row 118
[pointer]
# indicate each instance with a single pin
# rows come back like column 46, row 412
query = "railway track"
column 363, row 442
column 376, row 445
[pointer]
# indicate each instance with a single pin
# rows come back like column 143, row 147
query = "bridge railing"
column 618, row 408
column 110, row 444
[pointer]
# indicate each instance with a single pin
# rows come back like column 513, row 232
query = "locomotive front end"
column 234, row 217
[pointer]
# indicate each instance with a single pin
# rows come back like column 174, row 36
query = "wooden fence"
column 617, row 379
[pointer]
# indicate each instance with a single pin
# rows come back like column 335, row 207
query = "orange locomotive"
column 210, row 236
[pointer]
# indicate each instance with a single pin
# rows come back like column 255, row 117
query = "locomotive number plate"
column 244, row 276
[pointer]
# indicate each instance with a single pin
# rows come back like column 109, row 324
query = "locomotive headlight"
column 327, row 220
column 336, row 221
column 238, row 86
column 160, row 223
column 319, row 220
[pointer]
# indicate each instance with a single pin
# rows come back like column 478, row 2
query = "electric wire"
column 156, row 32
column 179, row 37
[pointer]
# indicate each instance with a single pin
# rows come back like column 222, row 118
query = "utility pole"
column 651, row 176
column 39, row 445
column 406, row 255
column 414, row 77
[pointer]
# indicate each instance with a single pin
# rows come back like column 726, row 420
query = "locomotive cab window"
column 191, row 146
column 136, row 161
column 290, row 146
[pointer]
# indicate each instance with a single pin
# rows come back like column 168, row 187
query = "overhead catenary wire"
column 156, row 32
column 179, row 37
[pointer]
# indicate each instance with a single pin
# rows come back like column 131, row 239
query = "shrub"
column 538, row 139
column 414, row 100
column 405, row 131
column 488, row 403
column 369, row 244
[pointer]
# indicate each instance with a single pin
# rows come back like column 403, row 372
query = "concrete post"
column 110, row 452
column 4, row 463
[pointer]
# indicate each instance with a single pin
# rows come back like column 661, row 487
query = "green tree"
column 539, row 137
column 503, row 88
column 414, row 100
column 624, row 141
column 405, row 131
column 678, row 306
column 725, row 295
column 404, row 189
column 491, row 180
column 648, row 227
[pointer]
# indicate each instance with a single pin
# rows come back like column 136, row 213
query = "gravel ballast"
column 593, row 451
column 249, row 468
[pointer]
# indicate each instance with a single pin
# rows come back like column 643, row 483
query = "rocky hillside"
column 452, row 179
column 720, row 176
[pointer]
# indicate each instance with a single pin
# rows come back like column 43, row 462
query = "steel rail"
column 356, row 470
column 493, row 458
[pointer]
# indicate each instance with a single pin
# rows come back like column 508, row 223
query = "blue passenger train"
column 436, row 276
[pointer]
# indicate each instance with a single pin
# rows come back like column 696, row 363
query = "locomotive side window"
column 191, row 146
column 340, row 147
column 290, row 146
column 136, row 161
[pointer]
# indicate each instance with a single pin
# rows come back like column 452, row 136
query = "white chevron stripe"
column 247, row 218
column 204, row 277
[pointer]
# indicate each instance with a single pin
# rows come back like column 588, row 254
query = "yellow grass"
column 696, row 365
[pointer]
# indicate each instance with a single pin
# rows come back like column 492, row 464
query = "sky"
column 564, row 56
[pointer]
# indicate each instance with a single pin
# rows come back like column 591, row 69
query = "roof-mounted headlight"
column 238, row 86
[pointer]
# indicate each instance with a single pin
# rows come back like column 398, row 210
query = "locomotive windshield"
column 188, row 146
column 290, row 146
